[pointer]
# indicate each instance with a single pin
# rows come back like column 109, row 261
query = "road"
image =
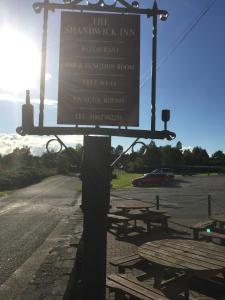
column 27, row 218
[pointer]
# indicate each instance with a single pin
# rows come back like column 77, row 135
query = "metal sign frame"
column 121, row 7
column 99, row 62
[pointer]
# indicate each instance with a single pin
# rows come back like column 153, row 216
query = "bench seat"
column 208, row 236
column 121, row 222
column 199, row 296
column 148, row 218
column 202, row 286
column 117, row 218
column 129, row 285
column 128, row 261
column 201, row 226
column 156, row 218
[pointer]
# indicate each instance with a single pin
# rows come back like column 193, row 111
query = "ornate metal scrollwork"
column 101, row 3
column 60, row 143
column 145, row 147
column 119, row 5
column 132, row 151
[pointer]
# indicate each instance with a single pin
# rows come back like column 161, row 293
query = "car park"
column 151, row 179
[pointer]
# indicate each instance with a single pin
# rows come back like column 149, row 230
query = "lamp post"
column 163, row 17
column 43, row 64
column 154, row 64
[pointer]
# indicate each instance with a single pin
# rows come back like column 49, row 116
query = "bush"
column 23, row 177
column 191, row 170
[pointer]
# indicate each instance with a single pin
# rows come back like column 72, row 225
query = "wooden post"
column 157, row 202
column 96, row 194
column 209, row 206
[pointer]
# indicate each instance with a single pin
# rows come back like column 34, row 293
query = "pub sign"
column 99, row 69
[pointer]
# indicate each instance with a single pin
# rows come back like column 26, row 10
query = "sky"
column 190, row 74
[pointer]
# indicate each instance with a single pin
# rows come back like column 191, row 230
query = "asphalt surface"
column 28, row 217
column 32, row 218
column 185, row 199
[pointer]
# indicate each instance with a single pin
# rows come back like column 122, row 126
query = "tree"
column 153, row 157
column 219, row 157
column 188, row 157
column 115, row 153
column 48, row 160
column 20, row 157
column 119, row 150
column 171, row 156
column 179, row 145
column 200, row 156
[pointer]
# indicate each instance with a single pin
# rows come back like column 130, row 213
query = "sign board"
column 99, row 69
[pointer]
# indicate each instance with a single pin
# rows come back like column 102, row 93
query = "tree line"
column 20, row 168
column 181, row 160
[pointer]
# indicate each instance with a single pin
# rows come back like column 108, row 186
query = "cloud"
column 48, row 76
column 187, row 148
column 15, row 99
column 37, row 144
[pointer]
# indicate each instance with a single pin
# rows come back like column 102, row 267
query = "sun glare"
column 19, row 61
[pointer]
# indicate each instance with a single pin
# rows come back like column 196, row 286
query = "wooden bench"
column 160, row 211
column 156, row 218
column 218, row 281
column 120, row 221
column 208, row 236
column 220, row 220
column 199, row 286
column 128, row 261
column 129, row 285
column 199, row 296
column 175, row 285
column 148, row 218
column 201, row 226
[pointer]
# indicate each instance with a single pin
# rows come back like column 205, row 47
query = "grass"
column 124, row 179
column 206, row 174
column 78, row 189
column 4, row 193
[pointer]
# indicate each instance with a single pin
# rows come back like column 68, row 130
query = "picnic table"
column 193, row 258
column 144, row 212
column 126, row 207
column 220, row 219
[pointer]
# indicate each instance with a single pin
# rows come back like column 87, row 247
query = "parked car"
column 151, row 179
column 164, row 171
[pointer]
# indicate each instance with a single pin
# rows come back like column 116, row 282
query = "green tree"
column 48, row 160
column 153, row 157
column 115, row 153
column 179, row 145
column 218, row 157
column 20, row 157
column 188, row 157
column 200, row 156
column 171, row 156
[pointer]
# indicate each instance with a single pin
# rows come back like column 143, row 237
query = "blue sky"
column 190, row 80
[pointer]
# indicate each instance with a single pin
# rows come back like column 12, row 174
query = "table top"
column 186, row 255
column 135, row 206
column 218, row 217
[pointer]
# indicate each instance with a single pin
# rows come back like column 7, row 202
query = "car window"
column 149, row 175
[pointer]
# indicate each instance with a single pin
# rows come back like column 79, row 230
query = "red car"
column 151, row 179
